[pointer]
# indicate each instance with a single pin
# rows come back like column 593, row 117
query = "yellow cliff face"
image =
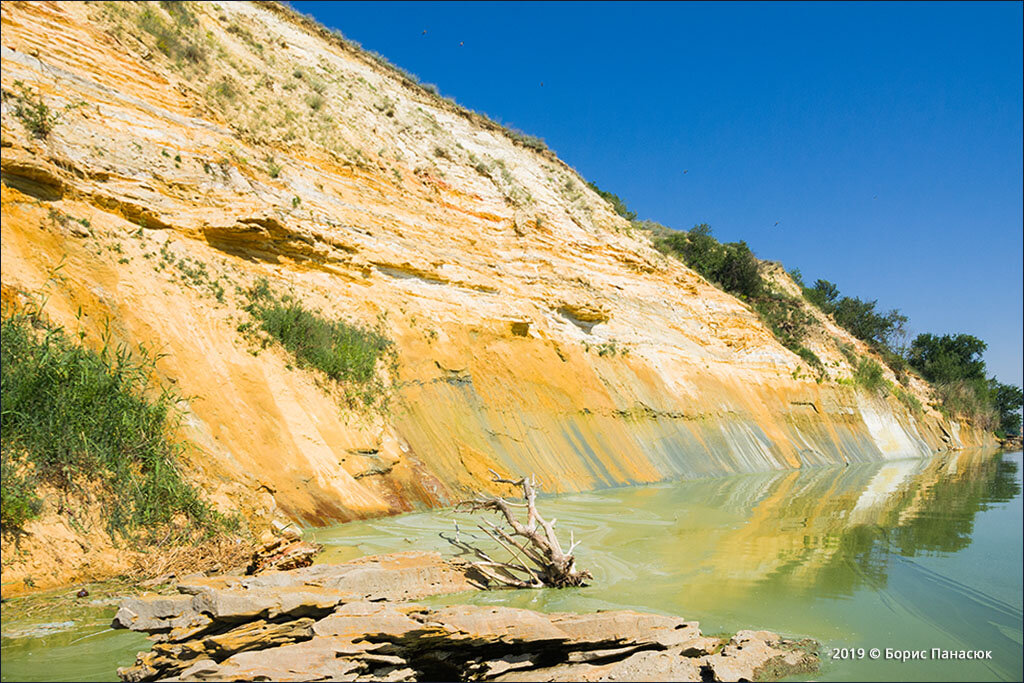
column 535, row 332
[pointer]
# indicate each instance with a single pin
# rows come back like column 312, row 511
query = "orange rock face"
column 535, row 330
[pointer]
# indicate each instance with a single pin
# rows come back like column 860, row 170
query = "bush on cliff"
column 73, row 417
column 734, row 268
column 953, row 364
column 860, row 318
column 616, row 202
column 344, row 352
column 868, row 374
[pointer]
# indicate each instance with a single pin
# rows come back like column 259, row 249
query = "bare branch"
column 522, row 542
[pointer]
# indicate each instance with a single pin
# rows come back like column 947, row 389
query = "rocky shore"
column 1011, row 443
column 359, row 621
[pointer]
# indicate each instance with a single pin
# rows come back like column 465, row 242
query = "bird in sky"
column 461, row 43
column 542, row 84
column 776, row 223
column 686, row 171
column 424, row 31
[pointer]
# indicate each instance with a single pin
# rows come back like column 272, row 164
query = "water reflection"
column 833, row 530
column 825, row 531
column 912, row 554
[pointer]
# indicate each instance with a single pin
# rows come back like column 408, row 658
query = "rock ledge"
column 354, row 622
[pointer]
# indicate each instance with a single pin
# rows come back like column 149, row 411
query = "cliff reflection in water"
column 830, row 531
column 710, row 542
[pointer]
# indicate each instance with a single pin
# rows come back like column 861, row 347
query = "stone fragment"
column 627, row 625
column 641, row 666
column 760, row 655
column 282, row 553
column 358, row 618
column 152, row 612
column 339, row 622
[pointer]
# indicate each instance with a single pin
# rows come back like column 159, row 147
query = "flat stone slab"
column 354, row 622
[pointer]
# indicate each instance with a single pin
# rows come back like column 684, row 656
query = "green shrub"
column 823, row 295
column 344, row 352
column 868, row 374
column 787, row 319
column 30, row 109
column 1007, row 399
column 811, row 358
column 71, row 414
column 908, row 400
column 948, row 358
column 618, row 205
column 180, row 12
column 18, row 500
column 849, row 353
column 861, row 320
column 273, row 168
column 315, row 101
column 732, row 266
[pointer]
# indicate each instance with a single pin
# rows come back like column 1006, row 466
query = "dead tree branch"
column 536, row 556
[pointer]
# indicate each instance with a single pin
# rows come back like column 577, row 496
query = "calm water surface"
column 909, row 555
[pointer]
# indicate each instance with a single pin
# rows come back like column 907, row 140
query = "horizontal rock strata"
column 353, row 622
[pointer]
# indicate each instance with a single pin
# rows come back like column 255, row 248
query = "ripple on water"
column 924, row 554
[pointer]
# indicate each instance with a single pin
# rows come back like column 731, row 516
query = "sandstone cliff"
column 535, row 330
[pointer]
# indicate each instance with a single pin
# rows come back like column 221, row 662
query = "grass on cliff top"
column 75, row 418
column 345, row 353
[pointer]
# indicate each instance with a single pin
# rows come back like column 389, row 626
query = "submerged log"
column 536, row 558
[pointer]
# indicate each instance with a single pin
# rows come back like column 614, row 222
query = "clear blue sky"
column 886, row 139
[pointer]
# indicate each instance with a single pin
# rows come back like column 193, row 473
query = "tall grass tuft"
column 344, row 352
column 73, row 417
column 868, row 374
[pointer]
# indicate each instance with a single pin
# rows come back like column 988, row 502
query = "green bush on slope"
column 344, row 352
column 72, row 415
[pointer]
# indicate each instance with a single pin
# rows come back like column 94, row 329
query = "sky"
column 885, row 139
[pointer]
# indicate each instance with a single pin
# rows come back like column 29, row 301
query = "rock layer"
column 329, row 624
column 535, row 330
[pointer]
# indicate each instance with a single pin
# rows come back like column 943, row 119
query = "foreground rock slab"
column 354, row 622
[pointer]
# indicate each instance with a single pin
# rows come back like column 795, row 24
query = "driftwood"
column 536, row 557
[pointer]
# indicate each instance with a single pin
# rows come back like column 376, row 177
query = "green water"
column 908, row 555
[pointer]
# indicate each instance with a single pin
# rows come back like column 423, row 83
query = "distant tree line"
column 951, row 363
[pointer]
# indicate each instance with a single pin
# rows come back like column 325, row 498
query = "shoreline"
column 87, row 572
column 360, row 619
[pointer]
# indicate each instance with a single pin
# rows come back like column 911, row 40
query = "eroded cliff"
column 535, row 331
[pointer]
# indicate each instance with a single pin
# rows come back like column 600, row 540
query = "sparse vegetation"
column 529, row 141
column 812, row 359
column 195, row 273
column 881, row 331
column 734, row 268
column 75, row 417
column 181, row 41
column 868, row 374
column 18, row 500
column 32, row 111
column 273, row 168
column 909, row 400
column 346, row 353
column 618, row 205
column 315, row 101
